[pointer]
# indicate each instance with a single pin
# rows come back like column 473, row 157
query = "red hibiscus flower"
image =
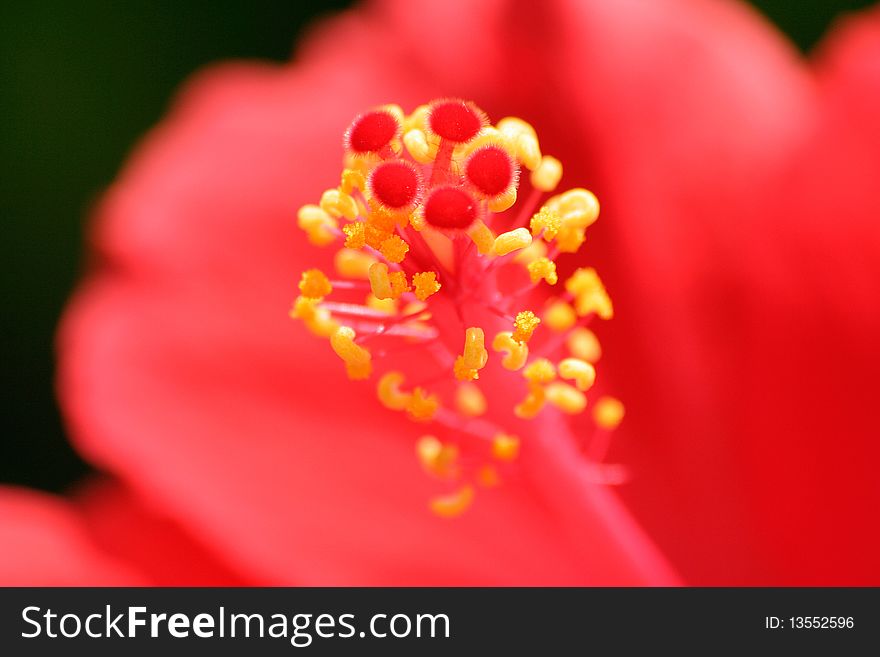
column 737, row 239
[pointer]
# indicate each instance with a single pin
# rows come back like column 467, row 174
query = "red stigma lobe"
column 450, row 207
column 395, row 184
column 372, row 131
column 456, row 120
column 490, row 170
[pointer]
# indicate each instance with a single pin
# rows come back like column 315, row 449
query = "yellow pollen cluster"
column 418, row 404
column 317, row 224
column 589, row 294
column 408, row 280
column 524, row 325
column 608, row 412
column 425, row 284
column 314, row 284
column 394, row 249
column 542, row 269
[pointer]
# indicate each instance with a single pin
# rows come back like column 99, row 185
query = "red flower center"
column 457, row 277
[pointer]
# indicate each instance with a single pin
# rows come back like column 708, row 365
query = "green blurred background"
column 81, row 81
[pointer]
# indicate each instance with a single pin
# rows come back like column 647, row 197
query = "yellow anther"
column 417, row 220
column 389, row 392
column 374, row 235
column 532, row 404
column 314, row 284
column 579, row 208
column 482, row 236
column 436, row 458
column 395, row 110
column 337, row 204
column 548, row 174
column 380, row 284
column 470, row 400
column 418, row 120
column 354, row 235
column 522, row 140
column 540, row 371
column 357, row 360
column 543, row 268
column 394, row 249
column 524, row 325
column 516, row 353
column 537, row 249
column 560, row 316
column 353, row 264
column 569, row 239
column 511, row 241
column 503, row 201
column 385, row 285
column 488, row 477
column 317, row 224
column 318, row 320
column 590, row 294
column 399, row 286
column 383, row 219
column 583, row 344
column 462, row 372
column 417, row 144
column 566, row 398
column 487, row 136
column 467, row 366
column 387, row 306
column 505, row 447
column 421, row 406
column 352, row 180
column 608, row 412
column 579, row 371
column 454, row 504
column 425, row 284
column 547, row 220
column 475, row 354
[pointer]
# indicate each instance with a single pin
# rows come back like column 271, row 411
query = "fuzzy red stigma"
column 372, row 131
column 395, row 184
column 450, row 207
column 490, row 170
column 456, row 120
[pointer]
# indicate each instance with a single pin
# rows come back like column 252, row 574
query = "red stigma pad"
column 372, row 132
column 490, row 170
column 395, row 184
column 455, row 120
column 451, row 208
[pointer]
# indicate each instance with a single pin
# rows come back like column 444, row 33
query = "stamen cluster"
column 432, row 254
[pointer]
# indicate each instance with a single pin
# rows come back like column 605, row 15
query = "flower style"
column 738, row 240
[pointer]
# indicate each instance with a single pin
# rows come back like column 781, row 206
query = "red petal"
column 146, row 539
column 750, row 309
column 45, row 542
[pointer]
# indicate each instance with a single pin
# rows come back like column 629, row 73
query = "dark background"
column 81, row 81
